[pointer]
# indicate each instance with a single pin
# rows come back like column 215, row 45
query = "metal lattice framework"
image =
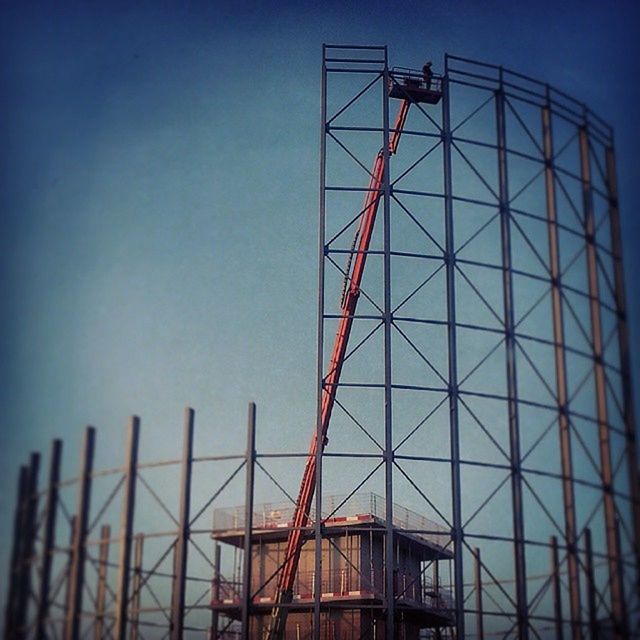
column 122, row 552
column 490, row 372
column 486, row 388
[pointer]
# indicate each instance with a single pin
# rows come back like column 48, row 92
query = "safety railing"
column 270, row 515
column 413, row 79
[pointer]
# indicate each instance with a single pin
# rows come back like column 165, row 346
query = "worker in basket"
column 427, row 74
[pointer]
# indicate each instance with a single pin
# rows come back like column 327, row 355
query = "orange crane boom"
column 296, row 538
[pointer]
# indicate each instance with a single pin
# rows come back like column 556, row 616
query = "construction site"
column 472, row 471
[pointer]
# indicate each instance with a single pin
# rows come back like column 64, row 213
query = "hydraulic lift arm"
column 286, row 578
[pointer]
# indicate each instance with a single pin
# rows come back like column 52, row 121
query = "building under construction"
column 473, row 468
column 352, row 577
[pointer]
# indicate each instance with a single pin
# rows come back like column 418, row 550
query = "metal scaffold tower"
column 473, row 467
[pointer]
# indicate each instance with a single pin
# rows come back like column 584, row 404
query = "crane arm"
column 351, row 292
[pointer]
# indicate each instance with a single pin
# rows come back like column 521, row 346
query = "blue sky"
column 159, row 200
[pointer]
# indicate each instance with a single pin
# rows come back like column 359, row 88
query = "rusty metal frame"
column 625, row 351
column 561, row 378
column 597, row 341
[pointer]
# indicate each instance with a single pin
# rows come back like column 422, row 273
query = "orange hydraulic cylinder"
column 307, row 486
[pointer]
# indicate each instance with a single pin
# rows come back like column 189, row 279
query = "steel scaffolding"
column 510, row 195
column 486, row 387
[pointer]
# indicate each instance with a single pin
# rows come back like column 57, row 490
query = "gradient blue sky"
column 159, row 200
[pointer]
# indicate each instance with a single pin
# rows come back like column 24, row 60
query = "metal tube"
column 454, row 430
column 436, row 578
column 136, row 586
column 561, row 377
column 215, row 592
column 388, row 427
column 27, row 556
column 625, row 351
column 556, row 585
column 16, row 551
column 78, row 552
column 73, row 525
column 101, row 588
column 126, row 528
column 250, row 463
column 478, row 589
column 623, row 629
column 317, row 529
column 48, row 542
column 606, row 472
column 180, row 575
column 512, row 382
column 591, row 586
column 437, row 635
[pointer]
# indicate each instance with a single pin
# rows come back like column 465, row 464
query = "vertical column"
column 78, row 548
column 73, row 523
column 48, row 541
column 557, row 594
column 16, row 550
column 568, row 495
column 215, row 592
column 101, row 587
column 126, row 528
column 388, row 427
column 478, row 585
column 136, row 586
column 624, row 622
column 317, row 586
column 436, row 579
column 606, row 472
column 28, row 535
column 512, row 383
column 250, row 462
column 591, row 586
column 454, row 431
column 179, row 580
column 624, row 349
column 437, row 634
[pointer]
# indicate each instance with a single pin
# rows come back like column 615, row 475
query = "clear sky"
column 159, row 200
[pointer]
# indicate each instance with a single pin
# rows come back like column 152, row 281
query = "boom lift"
column 409, row 87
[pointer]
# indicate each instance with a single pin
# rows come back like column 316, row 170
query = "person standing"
column 427, row 74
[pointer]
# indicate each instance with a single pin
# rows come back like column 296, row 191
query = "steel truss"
column 71, row 578
column 487, row 386
column 521, row 254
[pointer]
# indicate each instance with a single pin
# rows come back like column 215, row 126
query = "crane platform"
column 409, row 84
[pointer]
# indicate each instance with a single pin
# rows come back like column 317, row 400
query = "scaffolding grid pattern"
column 486, row 388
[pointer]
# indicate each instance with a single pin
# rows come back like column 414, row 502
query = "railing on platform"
column 412, row 78
column 270, row 515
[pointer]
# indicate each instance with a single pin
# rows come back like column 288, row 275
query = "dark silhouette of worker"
column 427, row 74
